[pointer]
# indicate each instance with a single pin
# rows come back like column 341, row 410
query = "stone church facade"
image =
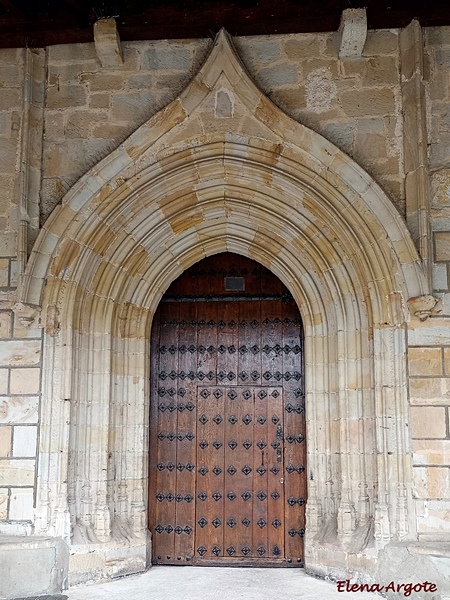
column 121, row 166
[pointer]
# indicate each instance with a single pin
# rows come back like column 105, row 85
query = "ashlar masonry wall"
column 61, row 112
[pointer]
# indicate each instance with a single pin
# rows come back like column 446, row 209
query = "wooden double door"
column 227, row 456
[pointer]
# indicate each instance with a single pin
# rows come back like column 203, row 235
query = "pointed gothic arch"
column 222, row 169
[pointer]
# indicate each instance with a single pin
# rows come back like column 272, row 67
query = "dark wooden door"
column 227, row 455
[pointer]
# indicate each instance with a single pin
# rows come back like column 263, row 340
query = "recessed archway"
column 228, row 473
column 181, row 188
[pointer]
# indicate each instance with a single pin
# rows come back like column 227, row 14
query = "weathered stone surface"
column 21, row 504
column 4, row 378
column 416, row 562
column 174, row 58
column 46, row 558
column 428, row 422
column 5, row 324
column 431, row 452
column 66, row 96
column 432, row 482
column 425, row 361
column 442, row 242
column 107, row 42
column 380, row 101
column 19, row 409
column 4, row 500
column 25, row 438
column 15, row 353
column 352, row 32
column 24, row 381
column 17, row 472
column 5, row 441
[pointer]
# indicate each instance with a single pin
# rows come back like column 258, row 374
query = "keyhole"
column 262, row 458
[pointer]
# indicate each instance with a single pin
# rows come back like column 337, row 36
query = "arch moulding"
column 223, row 169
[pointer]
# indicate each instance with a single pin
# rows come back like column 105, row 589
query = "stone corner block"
column 417, row 562
column 47, row 558
column 352, row 32
column 107, row 43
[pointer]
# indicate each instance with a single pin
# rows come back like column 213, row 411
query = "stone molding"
column 210, row 174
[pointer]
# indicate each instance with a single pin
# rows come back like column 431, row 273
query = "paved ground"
column 217, row 583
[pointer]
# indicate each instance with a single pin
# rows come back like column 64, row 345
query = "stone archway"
column 222, row 169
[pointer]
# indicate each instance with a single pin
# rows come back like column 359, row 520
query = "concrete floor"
column 217, row 583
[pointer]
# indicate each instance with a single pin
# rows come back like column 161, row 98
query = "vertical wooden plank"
column 272, row 368
column 209, row 532
column 166, row 436
column 294, row 435
column 261, row 522
column 186, row 443
column 276, row 475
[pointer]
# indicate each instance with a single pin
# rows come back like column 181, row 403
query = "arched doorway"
column 228, row 455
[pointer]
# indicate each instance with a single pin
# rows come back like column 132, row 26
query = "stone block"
column 110, row 131
column 374, row 71
column 291, row 100
column 439, row 156
column 14, row 273
column 4, row 272
column 8, row 156
column 352, row 32
column 25, row 381
column 431, row 452
column 403, row 562
column 281, row 74
column 144, row 81
column 4, row 378
column 10, row 98
column 70, row 53
column 80, row 123
column 4, row 500
column 447, row 361
column 260, row 50
column 19, row 409
column 373, row 141
column 16, row 352
column 103, row 81
column 440, row 277
column 432, row 482
column 173, row 58
column 431, row 391
column 17, row 472
column 5, row 324
column 300, row 47
column 425, row 361
column 440, row 188
column 381, row 42
column 442, row 246
column 133, row 107
column 99, row 100
column 66, row 96
column 107, row 42
column 24, row 441
column 360, row 103
column 5, row 441
column 341, row 134
column 47, row 559
column 21, row 504
column 428, row 422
